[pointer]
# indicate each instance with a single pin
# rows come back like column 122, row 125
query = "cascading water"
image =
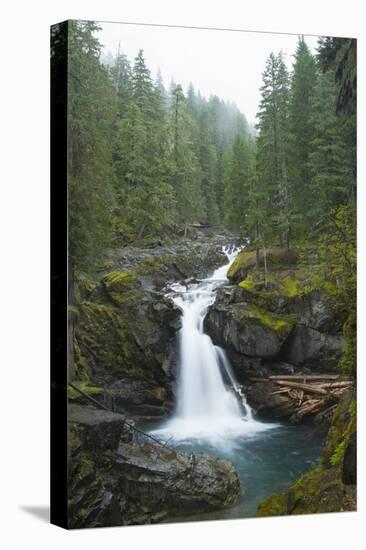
column 210, row 402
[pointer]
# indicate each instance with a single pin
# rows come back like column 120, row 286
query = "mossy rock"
column 280, row 324
column 105, row 334
column 317, row 491
column 86, row 388
column 118, row 285
column 283, row 288
column 277, row 258
column 274, row 505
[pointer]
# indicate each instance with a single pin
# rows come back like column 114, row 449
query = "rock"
column 349, row 468
column 178, row 483
column 98, row 429
column 248, row 329
column 115, row 481
column 264, row 398
column 309, row 347
column 246, row 262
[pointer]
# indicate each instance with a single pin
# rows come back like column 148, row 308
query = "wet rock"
column 115, row 481
column 178, row 483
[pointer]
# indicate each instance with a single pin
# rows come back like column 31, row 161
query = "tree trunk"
column 265, row 265
column 256, row 241
column 142, row 229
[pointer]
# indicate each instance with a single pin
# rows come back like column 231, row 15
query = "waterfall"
column 210, row 401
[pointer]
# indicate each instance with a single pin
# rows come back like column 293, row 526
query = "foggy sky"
column 223, row 63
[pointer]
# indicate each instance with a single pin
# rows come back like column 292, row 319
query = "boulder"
column 178, row 483
column 248, row 329
column 98, row 429
column 245, row 262
column 113, row 480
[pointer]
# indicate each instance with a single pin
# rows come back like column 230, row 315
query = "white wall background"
column 24, row 304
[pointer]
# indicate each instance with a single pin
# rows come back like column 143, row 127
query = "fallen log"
column 306, row 387
column 309, row 377
column 343, row 384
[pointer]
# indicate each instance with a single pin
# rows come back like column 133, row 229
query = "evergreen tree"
column 141, row 157
column 329, row 164
column 237, row 183
column 91, row 112
column 185, row 169
column 301, row 130
column 120, row 72
column 272, row 152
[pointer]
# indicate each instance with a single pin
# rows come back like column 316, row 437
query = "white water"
column 210, row 402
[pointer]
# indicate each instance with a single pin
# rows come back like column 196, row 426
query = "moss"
column 317, row 491
column 85, row 387
column 118, row 281
column 159, row 393
column 277, row 258
column 248, row 285
column 291, row 286
column 85, row 466
column 274, row 505
column 72, row 313
column 277, row 323
column 105, row 334
column 343, row 424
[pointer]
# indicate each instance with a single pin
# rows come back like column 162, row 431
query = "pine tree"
column 329, row 164
column 272, row 153
column 91, row 112
column 120, row 72
column 185, row 169
column 237, row 183
column 301, row 130
column 141, row 157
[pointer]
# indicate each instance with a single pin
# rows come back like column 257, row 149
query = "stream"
column 212, row 415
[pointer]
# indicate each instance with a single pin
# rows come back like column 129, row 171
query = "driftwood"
column 311, row 388
column 298, row 377
column 311, row 394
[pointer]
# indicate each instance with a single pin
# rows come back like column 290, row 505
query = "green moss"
column 118, row 280
column 277, row 258
column 274, row 505
column 247, row 285
column 105, row 333
column 352, row 408
column 278, row 323
column 85, row 387
column 291, row 287
column 159, row 393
